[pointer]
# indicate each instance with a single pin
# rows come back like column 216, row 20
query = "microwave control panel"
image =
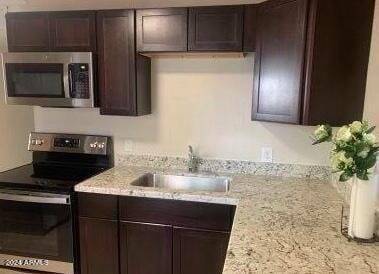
column 79, row 81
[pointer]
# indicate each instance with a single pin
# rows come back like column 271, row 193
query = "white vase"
column 363, row 208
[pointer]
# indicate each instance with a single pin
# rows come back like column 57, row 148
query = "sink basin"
column 184, row 182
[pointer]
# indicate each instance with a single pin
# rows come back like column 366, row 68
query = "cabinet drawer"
column 98, row 206
column 177, row 213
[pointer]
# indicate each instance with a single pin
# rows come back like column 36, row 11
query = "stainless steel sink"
column 184, row 182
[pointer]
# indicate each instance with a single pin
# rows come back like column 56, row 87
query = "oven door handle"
column 32, row 197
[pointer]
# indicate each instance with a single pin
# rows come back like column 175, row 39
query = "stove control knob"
column 93, row 145
column 39, row 142
column 101, row 146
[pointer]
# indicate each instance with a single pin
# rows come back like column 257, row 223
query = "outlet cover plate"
column 266, row 155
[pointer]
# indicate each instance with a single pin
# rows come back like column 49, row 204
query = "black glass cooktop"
column 47, row 177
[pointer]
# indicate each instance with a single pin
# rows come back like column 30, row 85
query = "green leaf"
column 316, row 142
column 370, row 161
column 363, row 175
column 322, row 140
column 345, row 177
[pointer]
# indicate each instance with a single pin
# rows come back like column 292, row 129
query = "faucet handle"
column 190, row 149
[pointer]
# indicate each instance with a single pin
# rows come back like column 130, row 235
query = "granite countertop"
column 282, row 225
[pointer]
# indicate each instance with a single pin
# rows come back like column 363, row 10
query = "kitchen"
column 206, row 101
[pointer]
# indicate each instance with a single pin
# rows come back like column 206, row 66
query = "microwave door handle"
column 40, row 199
column 70, row 82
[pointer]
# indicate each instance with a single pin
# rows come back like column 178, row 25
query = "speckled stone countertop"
column 282, row 225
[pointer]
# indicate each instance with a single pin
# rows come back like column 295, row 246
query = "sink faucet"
column 191, row 160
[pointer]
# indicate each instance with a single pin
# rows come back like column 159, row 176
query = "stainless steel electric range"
column 38, row 202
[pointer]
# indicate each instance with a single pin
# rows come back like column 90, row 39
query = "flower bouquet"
column 353, row 157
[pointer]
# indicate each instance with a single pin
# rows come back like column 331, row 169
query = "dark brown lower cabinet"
column 145, row 248
column 152, row 236
column 199, row 251
column 98, row 246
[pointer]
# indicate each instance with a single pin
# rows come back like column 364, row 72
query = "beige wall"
column 204, row 102
column 15, row 124
column 372, row 92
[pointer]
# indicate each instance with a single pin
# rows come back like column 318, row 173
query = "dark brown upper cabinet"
column 162, row 30
column 27, row 31
column 311, row 61
column 250, row 28
column 215, row 28
column 279, row 61
column 51, row 31
column 73, row 31
column 338, row 53
column 123, row 75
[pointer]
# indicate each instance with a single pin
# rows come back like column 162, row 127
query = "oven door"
column 36, row 231
column 43, row 79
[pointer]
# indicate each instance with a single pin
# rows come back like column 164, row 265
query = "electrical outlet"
column 128, row 145
column 266, row 155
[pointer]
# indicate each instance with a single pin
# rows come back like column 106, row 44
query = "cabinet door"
column 162, row 29
column 215, row 28
column 98, row 246
column 250, row 28
column 340, row 32
column 145, row 248
column 73, row 31
column 28, row 32
column 279, row 61
column 117, row 66
column 199, row 251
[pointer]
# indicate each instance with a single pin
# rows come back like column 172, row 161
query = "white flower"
column 356, row 127
column 344, row 134
column 364, row 153
column 369, row 138
column 321, row 132
column 339, row 161
column 334, row 160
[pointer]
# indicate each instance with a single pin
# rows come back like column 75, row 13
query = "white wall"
column 372, row 92
column 204, row 102
column 16, row 122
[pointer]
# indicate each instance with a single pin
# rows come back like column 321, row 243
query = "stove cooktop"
column 47, row 177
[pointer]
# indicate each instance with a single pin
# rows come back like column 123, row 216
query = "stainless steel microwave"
column 54, row 79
